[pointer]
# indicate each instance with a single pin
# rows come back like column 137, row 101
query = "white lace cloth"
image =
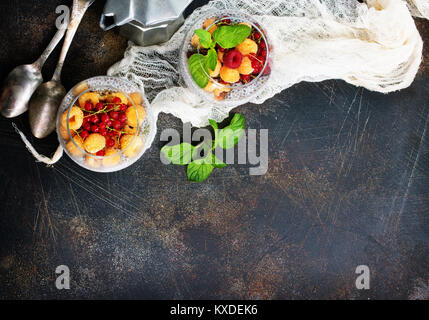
column 373, row 44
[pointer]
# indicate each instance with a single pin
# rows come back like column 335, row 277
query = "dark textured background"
column 347, row 185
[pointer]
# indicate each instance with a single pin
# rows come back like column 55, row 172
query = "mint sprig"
column 231, row 36
column 199, row 168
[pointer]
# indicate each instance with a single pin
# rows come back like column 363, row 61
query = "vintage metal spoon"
column 22, row 81
column 48, row 96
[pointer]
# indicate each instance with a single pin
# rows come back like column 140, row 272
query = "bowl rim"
column 103, row 88
column 233, row 86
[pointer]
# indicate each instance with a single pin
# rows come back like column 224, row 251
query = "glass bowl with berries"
column 103, row 124
column 226, row 58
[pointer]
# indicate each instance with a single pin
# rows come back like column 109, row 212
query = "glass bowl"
column 94, row 149
column 236, row 93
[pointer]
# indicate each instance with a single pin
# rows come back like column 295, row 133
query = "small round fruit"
column 131, row 145
column 92, row 97
column 92, row 162
column 100, row 153
column 220, row 93
column 112, row 157
column 105, row 118
column 99, row 106
column 110, row 143
column 214, row 73
column 229, row 75
column 81, row 87
column 195, row 41
column 122, row 117
column 220, row 55
column 129, row 130
column 94, row 143
column 95, row 128
column 233, row 59
column 117, row 100
column 117, row 125
column 210, row 87
column 132, row 115
column 245, row 78
column 246, row 66
column 120, row 96
column 136, row 97
column 84, row 134
column 75, row 118
column 64, row 133
column 114, row 115
column 247, row 46
column 73, row 149
column 208, row 23
column 89, row 106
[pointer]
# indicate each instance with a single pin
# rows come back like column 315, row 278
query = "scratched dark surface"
column 347, row 185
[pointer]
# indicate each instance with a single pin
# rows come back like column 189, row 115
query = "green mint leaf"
column 197, row 65
column 230, row 36
column 217, row 163
column 230, row 135
column 198, row 170
column 212, row 59
column 180, row 154
column 216, row 131
column 205, row 38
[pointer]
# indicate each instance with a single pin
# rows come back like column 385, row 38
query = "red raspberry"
column 232, row 59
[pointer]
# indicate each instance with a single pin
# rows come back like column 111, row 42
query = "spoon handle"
column 78, row 11
column 52, row 45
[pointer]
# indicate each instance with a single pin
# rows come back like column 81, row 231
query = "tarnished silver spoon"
column 22, row 81
column 47, row 98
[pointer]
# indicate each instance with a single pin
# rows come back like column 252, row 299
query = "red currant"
column 256, row 35
column 114, row 115
column 103, row 132
column 105, row 118
column 262, row 45
column 95, row 118
column 117, row 125
column 100, row 153
column 122, row 118
column 245, row 78
column 102, row 126
column 123, row 107
column 89, row 106
column 84, row 134
column 117, row 100
column 94, row 128
column 99, row 106
column 109, row 123
column 86, row 126
column 110, row 142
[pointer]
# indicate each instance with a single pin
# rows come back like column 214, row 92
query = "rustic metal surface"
column 347, row 185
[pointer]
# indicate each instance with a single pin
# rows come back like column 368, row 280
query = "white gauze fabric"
column 419, row 8
column 374, row 45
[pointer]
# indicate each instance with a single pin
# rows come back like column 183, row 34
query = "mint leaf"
column 230, row 135
column 216, row 131
column 217, row 163
column 205, row 38
column 180, row 154
column 230, row 36
column 197, row 65
column 198, row 170
column 212, row 59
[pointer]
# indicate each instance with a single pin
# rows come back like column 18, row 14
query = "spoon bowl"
column 18, row 89
column 43, row 108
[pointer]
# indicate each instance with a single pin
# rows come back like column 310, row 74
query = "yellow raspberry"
column 220, row 55
column 81, row 87
column 247, row 47
column 136, row 98
column 75, row 118
column 246, row 66
column 216, row 71
column 112, row 158
column 94, row 143
column 64, row 133
column 92, row 97
column 71, row 147
column 210, row 87
column 132, row 116
column 131, row 145
column 120, row 95
column 229, row 75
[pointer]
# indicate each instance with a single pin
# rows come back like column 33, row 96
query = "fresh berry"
column 117, row 125
column 84, row 134
column 122, row 118
column 100, row 153
column 99, row 106
column 89, row 106
column 114, row 115
column 110, row 143
column 103, row 132
column 94, row 128
column 109, row 123
column 232, row 59
column 267, row 70
column 123, row 107
column 105, row 118
column 86, row 126
column 263, row 53
column 102, row 125
column 262, row 45
column 117, row 100
column 256, row 65
column 95, row 118
column 256, row 35
column 245, row 78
